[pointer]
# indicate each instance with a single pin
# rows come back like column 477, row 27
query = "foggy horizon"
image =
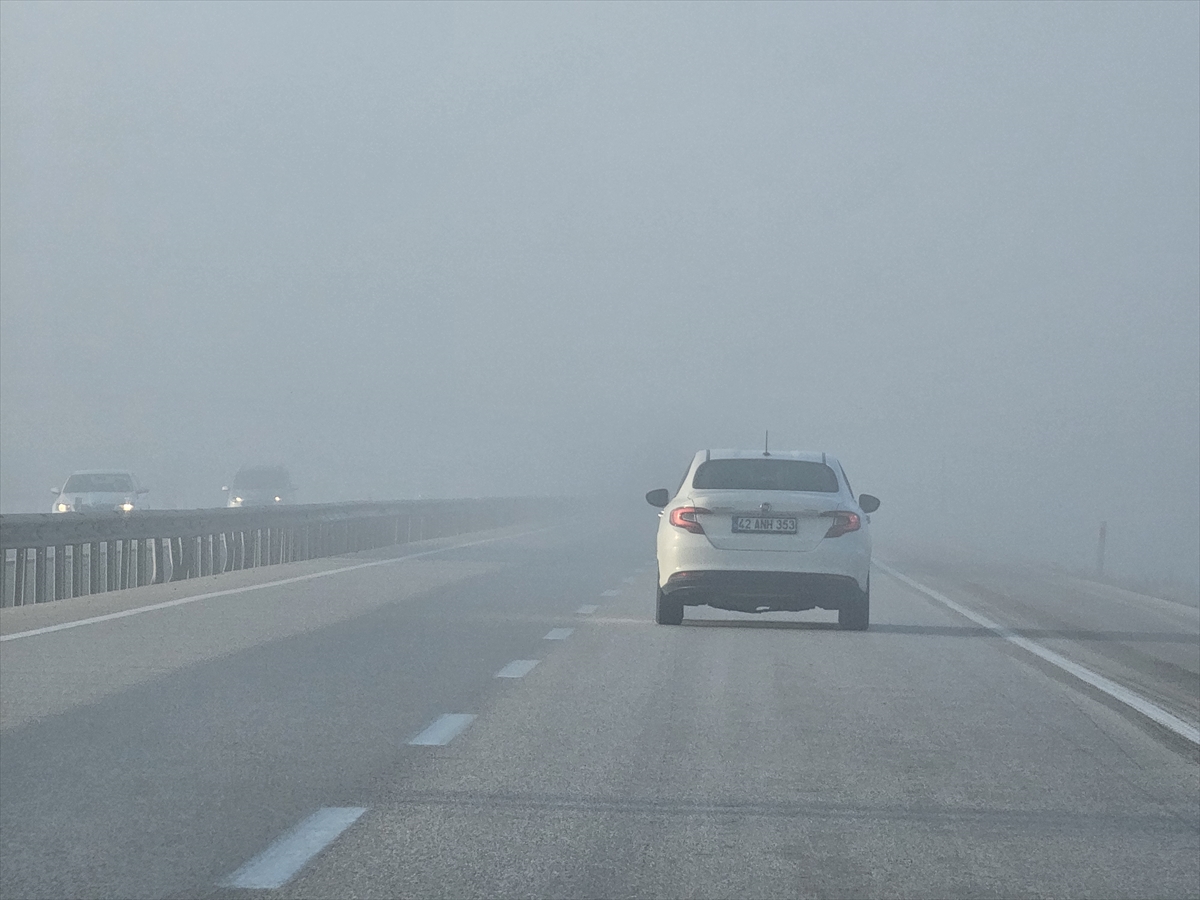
column 453, row 250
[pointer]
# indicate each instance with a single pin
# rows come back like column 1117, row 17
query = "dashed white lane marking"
column 587, row 609
column 182, row 601
column 631, row 579
column 278, row 863
column 1136, row 702
column 518, row 668
column 612, row 592
column 443, row 730
column 558, row 634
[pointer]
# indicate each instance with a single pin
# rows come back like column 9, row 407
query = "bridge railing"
column 56, row 556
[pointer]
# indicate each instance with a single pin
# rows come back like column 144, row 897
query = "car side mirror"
column 658, row 498
column 224, row 487
column 56, row 491
column 867, row 503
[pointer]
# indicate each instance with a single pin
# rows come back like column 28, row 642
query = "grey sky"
column 465, row 249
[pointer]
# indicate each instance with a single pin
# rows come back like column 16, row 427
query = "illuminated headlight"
column 63, row 507
column 126, row 506
column 237, row 501
column 276, row 499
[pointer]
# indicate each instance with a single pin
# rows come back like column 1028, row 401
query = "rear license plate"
column 764, row 524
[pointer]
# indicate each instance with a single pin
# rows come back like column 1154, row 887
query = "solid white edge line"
column 1134, row 701
column 181, row 601
column 518, row 668
column 443, row 730
column 558, row 634
column 276, row 865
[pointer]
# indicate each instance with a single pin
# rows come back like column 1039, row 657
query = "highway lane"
column 741, row 756
column 1145, row 643
column 267, row 741
column 235, row 714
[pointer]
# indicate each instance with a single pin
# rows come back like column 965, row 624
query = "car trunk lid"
column 781, row 521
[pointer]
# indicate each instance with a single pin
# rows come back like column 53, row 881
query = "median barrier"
column 54, row 556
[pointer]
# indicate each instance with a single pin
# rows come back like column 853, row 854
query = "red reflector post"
column 844, row 522
column 685, row 517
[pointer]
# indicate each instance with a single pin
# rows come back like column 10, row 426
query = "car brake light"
column 685, row 517
column 843, row 523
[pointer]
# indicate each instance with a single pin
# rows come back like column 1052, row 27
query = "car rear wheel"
column 668, row 611
column 855, row 611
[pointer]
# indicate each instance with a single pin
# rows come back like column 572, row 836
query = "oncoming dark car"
column 260, row 486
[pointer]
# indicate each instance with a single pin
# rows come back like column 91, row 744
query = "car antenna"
column 767, row 443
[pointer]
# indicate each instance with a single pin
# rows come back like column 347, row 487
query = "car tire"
column 855, row 611
column 668, row 611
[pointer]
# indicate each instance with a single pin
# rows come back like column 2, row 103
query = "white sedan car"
column 96, row 490
column 754, row 531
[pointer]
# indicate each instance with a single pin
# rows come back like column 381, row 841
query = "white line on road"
column 274, row 866
column 631, row 579
column 518, row 668
column 612, row 592
column 443, row 730
column 182, row 601
column 558, row 634
column 1152, row 711
column 587, row 609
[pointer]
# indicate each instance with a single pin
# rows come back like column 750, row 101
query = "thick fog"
column 457, row 250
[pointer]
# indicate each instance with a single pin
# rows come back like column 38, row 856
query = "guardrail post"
column 77, row 570
column 143, row 569
column 126, row 561
column 160, row 567
column 39, row 575
column 94, row 567
column 19, row 577
column 110, row 565
column 4, row 582
column 60, row 572
column 191, row 556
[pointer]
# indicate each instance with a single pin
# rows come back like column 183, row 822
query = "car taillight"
column 685, row 517
column 843, row 523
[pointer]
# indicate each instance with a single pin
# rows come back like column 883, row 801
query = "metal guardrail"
column 74, row 555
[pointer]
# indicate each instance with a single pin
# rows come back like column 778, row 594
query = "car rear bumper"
column 752, row 591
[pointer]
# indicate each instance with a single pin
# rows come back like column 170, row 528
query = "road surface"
column 498, row 716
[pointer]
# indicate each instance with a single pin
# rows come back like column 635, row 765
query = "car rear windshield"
column 765, row 475
column 262, row 480
column 104, row 483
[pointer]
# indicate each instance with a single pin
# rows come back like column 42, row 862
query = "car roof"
column 102, row 472
column 806, row 455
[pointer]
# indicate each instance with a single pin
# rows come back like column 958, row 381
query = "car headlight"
column 126, row 506
column 63, row 507
column 276, row 499
column 237, row 499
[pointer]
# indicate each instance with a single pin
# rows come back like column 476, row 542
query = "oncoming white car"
column 757, row 531
column 96, row 490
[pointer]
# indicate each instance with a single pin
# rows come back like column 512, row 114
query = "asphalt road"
column 345, row 734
